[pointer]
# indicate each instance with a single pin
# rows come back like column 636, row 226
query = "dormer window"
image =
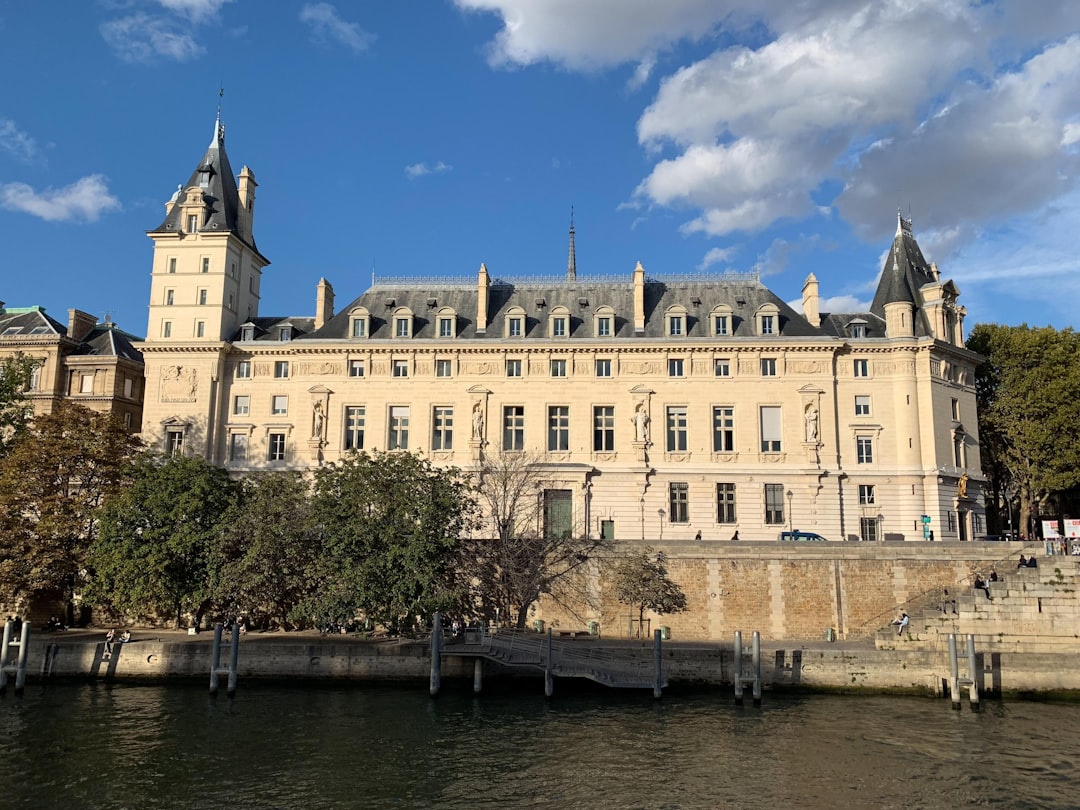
column 247, row 332
column 515, row 322
column 447, row 323
column 559, row 322
column 192, row 223
column 403, row 322
column 721, row 320
column 604, row 322
column 768, row 320
column 857, row 328
column 359, row 323
column 675, row 319
column 285, row 333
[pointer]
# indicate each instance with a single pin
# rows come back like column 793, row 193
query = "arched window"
column 359, row 323
column 604, row 322
column 675, row 322
column 721, row 323
column 403, row 322
column 768, row 319
column 559, row 323
column 515, row 323
column 446, row 323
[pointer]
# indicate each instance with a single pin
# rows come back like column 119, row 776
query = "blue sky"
column 423, row 137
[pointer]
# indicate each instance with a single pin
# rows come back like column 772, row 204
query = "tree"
column 15, row 372
column 525, row 560
column 53, row 481
column 154, row 553
column 1029, row 411
column 389, row 528
column 641, row 581
column 264, row 555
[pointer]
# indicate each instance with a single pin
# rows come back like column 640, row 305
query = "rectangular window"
column 401, row 327
column 866, row 494
column 955, row 410
column 399, row 428
column 170, row 297
column 202, row 297
column 401, row 368
column 359, row 327
column 281, row 369
column 768, row 324
column 354, row 427
column 514, row 427
column 279, row 405
column 513, row 368
column 768, row 366
column 442, row 431
column 862, row 368
column 603, row 428
column 174, row 441
column 514, row 327
column 446, row 327
column 862, row 404
column 771, row 429
column 723, row 429
column 725, row 503
column 275, row 447
column 558, row 429
column 356, row 368
column 206, row 265
column 172, row 265
column 720, row 325
column 200, row 328
column 192, row 223
column 722, row 368
column 86, row 384
column 774, row 504
column 558, row 327
column 243, row 370
column 129, row 384
column 603, row 368
column 241, row 405
column 675, row 367
column 558, row 368
column 950, row 521
column 868, row 529
column 678, row 502
column 864, row 450
column 232, row 270
column 677, row 437
column 238, row 447
column 603, row 327
column 231, row 305
column 675, row 325
column 285, row 333
column 166, row 329
column 247, row 332
column 443, row 368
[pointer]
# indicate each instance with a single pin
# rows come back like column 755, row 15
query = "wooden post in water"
column 658, row 685
column 478, row 675
column 436, row 656
column 234, row 659
column 954, row 673
column 973, row 687
column 756, row 660
column 215, row 661
column 549, row 679
column 738, row 668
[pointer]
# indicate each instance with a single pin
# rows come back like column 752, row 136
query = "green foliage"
column 263, row 559
column 154, row 553
column 641, row 581
column 389, row 526
column 1028, row 391
column 15, row 374
column 55, row 477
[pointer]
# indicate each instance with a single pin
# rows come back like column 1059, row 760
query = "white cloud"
column 142, row 38
column 642, row 73
column 16, row 142
column 420, row 169
column 327, row 27
column 84, row 200
column 195, row 10
column 716, row 256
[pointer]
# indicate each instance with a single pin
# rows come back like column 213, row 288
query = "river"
column 76, row 746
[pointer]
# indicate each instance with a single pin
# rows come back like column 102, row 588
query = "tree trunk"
column 522, row 616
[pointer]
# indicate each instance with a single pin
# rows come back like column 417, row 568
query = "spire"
column 571, row 264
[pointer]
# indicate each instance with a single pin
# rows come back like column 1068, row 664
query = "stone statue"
column 811, row 423
column 317, row 422
column 641, row 423
column 478, row 421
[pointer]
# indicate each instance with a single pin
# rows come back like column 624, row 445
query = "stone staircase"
column 1030, row 610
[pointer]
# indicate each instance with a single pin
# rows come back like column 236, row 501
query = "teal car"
column 797, row 535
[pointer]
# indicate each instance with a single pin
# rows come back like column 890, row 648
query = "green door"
column 558, row 513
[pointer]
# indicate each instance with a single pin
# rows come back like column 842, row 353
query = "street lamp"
column 790, row 517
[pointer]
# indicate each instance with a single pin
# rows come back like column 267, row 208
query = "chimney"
column 810, row 300
column 639, row 300
column 80, row 324
column 483, row 281
column 324, row 303
column 246, row 192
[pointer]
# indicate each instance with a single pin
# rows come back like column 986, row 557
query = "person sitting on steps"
column 901, row 622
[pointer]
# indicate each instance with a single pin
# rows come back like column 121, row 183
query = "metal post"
column 234, row 659
column 436, row 656
column 973, row 693
column 954, row 673
column 24, row 651
column 738, row 668
column 4, row 654
column 215, row 662
column 658, row 685
column 756, row 641
column 549, row 679
column 478, row 675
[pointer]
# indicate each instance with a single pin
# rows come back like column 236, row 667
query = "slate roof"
column 581, row 296
column 905, row 272
column 268, row 329
column 23, row 321
column 110, row 341
column 105, row 339
column 220, row 193
column 838, row 324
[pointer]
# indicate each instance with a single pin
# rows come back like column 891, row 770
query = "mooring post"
column 234, row 659
column 954, row 673
column 738, row 668
column 973, row 693
column 477, row 675
column 658, row 686
column 436, row 655
column 215, row 661
column 549, row 678
column 4, row 654
column 756, row 661
column 24, row 651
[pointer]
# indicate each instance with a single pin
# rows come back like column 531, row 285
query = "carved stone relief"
column 179, row 384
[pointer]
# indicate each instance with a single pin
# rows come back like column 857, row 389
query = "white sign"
column 1072, row 527
column 1050, row 530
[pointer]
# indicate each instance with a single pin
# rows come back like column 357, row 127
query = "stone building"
column 660, row 408
column 94, row 364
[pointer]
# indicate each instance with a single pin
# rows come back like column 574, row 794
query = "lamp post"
column 790, row 517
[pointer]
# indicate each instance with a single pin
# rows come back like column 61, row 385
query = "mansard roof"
column 110, row 341
column 23, row 321
column 215, row 176
column 906, row 271
column 838, row 324
column 105, row 339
